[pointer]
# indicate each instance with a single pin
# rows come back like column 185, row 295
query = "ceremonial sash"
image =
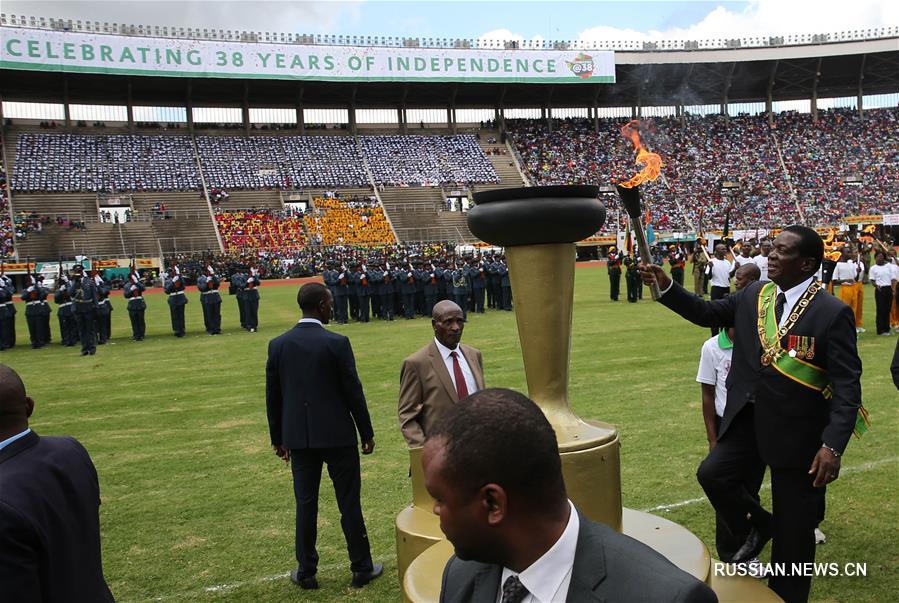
column 786, row 362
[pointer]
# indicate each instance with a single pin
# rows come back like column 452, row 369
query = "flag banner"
column 75, row 52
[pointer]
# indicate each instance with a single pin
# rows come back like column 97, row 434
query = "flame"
column 651, row 162
column 833, row 256
column 870, row 229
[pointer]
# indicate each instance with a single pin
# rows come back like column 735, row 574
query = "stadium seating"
column 427, row 160
column 80, row 163
column 275, row 231
column 705, row 152
column 7, row 247
column 357, row 221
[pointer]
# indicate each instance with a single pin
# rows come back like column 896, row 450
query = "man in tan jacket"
column 438, row 375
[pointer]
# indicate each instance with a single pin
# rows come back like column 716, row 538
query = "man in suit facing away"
column 492, row 465
column 438, row 375
column 793, row 393
column 315, row 405
column 49, row 510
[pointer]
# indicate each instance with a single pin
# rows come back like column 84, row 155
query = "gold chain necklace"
column 771, row 347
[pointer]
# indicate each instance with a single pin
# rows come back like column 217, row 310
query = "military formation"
column 377, row 287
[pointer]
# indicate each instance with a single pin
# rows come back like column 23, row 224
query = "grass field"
column 197, row 507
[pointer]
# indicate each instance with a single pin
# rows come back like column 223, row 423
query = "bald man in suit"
column 438, row 375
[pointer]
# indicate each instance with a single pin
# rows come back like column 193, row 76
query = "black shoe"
column 85, row 353
column 92, row 352
column 304, row 582
column 754, row 544
column 360, row 579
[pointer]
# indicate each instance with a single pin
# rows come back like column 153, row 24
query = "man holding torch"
column 793, row 400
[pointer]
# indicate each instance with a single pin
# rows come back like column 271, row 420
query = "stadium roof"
column 645, row 78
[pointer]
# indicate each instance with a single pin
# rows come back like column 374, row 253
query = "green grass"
column 197, row 507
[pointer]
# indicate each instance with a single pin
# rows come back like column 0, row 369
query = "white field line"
column 391, row 557
column 848, row 470
column 386, row 559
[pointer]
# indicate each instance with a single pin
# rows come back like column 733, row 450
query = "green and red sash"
column 787, row 362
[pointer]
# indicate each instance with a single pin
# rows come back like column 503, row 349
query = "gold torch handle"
column 645, row 253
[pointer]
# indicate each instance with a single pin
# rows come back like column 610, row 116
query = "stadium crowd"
column 355, row 221
column 7, row 233
column 427, row 160
column 701, row 154
column 264, row 229
column 80, row 163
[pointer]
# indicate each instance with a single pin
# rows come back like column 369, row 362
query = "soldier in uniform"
column 7, row 312
column 329, row 276
column 632, row 279
column 210, row 300
column 238, row 284
column 363, row 292
column 428, row 278
column 251, row 300
column 35, row 296
column 134, row 293
column 352, row 283
column 407, row 288
column 342, row 292
column 700, row 265
column 478, row 274
column 65, row 312
column 387, row 293
column 492, row 281
column 103, row 322
column 458, row 279
column 174, row 288
column 613, row 264
column 376, row 280
column 83, row 290
column 505, row 284
column 677, row 261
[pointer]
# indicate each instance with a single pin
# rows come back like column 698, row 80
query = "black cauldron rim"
column 581, row 191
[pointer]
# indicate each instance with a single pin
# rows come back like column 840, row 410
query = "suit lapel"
column 486, row 585
column 589, row 564
column 440, row 370
column 23, row 443
column 473, row 365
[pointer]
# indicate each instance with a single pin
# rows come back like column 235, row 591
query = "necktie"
column 461, row 388
column 779, row 304
column 513, row 590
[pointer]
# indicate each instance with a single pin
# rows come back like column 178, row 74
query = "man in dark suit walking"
column 49, row 510
column 315, row 405
column 793, row 394
column 492, row 465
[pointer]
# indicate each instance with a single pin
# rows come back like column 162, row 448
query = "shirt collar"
column 795, row 292
column 9, row 441
column 543, row 577
column 310, row 321
column 445, row 351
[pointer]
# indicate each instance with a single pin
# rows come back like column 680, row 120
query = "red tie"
column 461, row 388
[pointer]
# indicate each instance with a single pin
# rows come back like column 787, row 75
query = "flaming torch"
column 629, row 191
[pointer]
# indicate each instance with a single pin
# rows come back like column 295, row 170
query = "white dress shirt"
column 792, row 294
column 882, row 276
column 12, row 439
column 310, row 320
column 445, row 352
column 721, row 270
column 846, row 271
column 762, row 262
column 548, row 578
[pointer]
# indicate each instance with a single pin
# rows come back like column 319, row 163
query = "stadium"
column 135, row 149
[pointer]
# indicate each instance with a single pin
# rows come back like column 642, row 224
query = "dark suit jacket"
column 312, row 393
column 49, row 523
column 791, row 420
column 608, row 566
